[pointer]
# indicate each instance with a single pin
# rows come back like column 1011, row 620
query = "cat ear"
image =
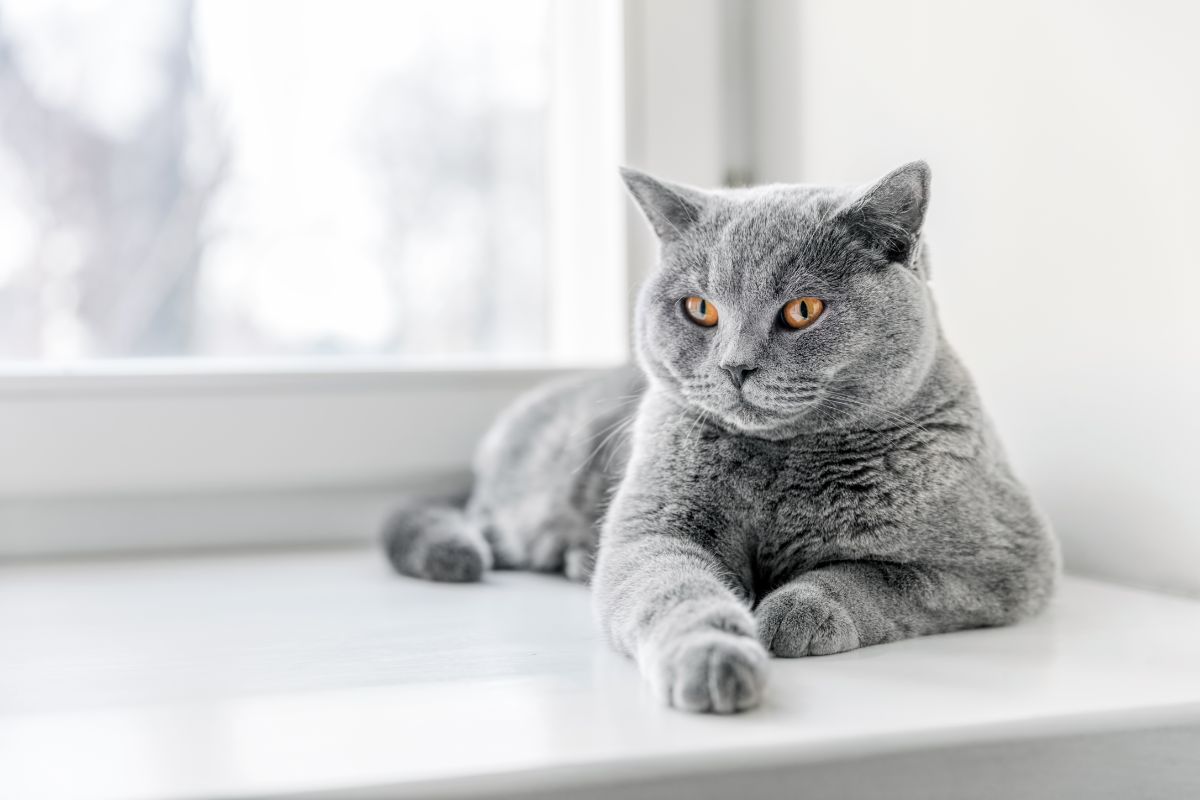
column 671, row 209
column 891, row 211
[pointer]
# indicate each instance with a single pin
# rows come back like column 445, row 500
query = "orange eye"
column 701, row 311
column 802, row 312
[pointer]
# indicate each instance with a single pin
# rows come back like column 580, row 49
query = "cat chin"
column 753, row 420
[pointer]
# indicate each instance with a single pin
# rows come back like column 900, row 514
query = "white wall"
column 1065, row 228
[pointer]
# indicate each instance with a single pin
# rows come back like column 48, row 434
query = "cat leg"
column 560, row 543
column 437, row 543
column 543, row 534
column 668, row 602
column 850, row 604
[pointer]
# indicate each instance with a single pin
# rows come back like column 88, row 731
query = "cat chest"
column 811, row 504
column 800, row 484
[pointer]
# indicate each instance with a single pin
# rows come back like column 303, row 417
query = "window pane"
column 274, row 178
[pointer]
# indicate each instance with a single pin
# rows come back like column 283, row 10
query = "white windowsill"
column 283, row 674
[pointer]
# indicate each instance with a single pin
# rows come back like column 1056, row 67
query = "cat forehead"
column 771, row 239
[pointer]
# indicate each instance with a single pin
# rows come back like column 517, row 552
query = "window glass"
column 273, row 178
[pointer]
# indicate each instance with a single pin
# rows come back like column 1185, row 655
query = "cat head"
column 783, row 309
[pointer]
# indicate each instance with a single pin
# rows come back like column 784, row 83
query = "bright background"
column 277, row 178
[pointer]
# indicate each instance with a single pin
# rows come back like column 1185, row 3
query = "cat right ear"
column 891, row 211
column 671, row 209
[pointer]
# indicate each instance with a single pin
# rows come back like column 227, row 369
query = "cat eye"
column 802, row 312
column 700, row 311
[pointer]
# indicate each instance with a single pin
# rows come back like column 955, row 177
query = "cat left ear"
column 891, row 211
column 671, row 209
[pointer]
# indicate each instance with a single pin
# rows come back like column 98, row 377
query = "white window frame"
column 160, row 455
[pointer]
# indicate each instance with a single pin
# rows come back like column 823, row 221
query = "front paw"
column 802, row 620
column 712, row 671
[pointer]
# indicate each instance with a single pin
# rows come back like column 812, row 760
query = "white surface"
column 191, row 521
column 1062, row 136
column 264, row 675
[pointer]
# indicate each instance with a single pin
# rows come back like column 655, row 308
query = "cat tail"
column 435, row 539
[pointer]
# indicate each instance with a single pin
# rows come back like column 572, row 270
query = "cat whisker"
column 847, row 404
column 617, row 402
column 613, row 451
column 687, row 439
column 896, row 416
column 608, row 433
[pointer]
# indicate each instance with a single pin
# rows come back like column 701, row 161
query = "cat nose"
column 738, row 373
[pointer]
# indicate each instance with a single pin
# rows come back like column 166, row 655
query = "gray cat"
column 801, row 466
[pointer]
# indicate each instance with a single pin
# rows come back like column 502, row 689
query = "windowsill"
column 277, row 674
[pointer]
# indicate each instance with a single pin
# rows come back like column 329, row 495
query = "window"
column 267, row 264
column 275, row 179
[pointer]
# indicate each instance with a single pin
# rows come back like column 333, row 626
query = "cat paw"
column 802, row 620
column 712, row 671
column 455, row 561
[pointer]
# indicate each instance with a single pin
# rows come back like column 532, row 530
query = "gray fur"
column 543, row 477
column 850, row 492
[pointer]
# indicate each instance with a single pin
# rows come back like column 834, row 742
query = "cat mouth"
column 756, row 414
column 747, row 410
column 758, row 410
column 787, row 407
column 743, row 403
